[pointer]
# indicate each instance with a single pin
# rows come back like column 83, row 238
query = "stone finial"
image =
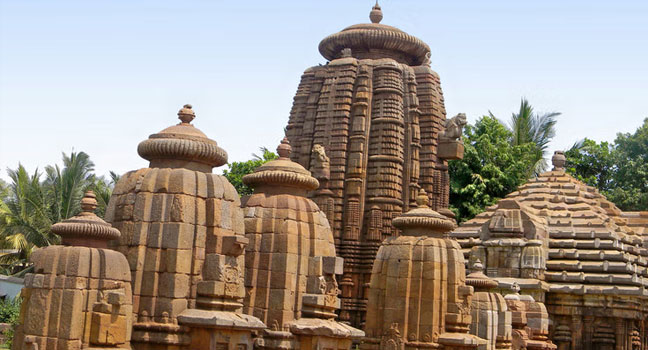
column 515, row 287
column 284, row 149
column 423, row 221
column 478, row 279
column 182, row 146
column 86, row 229
column 477, row 266
column 558, row 160
column 282, row 173
column 376, row 14
column 186, row 114
column 89, row 202
column 422, row 200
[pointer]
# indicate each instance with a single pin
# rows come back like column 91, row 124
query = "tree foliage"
column 618, row 170
column 236, row 170
column 33, row 202
column 527, row 126
column 492, row 167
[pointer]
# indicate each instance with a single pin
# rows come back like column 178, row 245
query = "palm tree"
column 24, row 219
column 103, row 188
column 527, row 126
column 66, row 186
column 31, row 206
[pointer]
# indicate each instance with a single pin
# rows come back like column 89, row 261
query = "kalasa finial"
column 284, row 149
column 422, row 200
column 376, row 14
column 186, row 114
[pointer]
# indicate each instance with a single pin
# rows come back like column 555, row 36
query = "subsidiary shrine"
column 347, row 241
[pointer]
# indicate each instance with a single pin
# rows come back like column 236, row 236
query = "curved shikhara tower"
column 367, row 126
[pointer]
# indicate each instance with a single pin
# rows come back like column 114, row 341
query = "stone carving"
column 78, row 295
column 321, row 163
column 182, row 231
column 290, row 261
column 418, row 287
column 376, row 110
column 576, row 257
column 491, row 319
column 453, row 130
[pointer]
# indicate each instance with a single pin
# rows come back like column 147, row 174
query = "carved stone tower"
column 290, row 261
column 182, row 231
column 367, row 124
column 79, row 294
column 418, row 293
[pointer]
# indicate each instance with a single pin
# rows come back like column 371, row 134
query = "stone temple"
column 346, row 242
column 568, row 247
column 370, row 126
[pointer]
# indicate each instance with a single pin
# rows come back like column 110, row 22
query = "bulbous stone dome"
column 86, row 229
column 182, row 146
column 375, row 40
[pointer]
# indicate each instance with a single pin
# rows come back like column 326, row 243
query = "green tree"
column 25, row 219
column 66, row 185
column 491, row 168
column 592, row 163
column 236, row 170
column 30, row 206
column 618, row 170
column 526, row 126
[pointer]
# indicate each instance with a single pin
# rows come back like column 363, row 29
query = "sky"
column 101, row 76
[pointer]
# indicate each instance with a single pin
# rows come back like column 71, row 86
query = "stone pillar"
column 577, row 332
column 620, row 334
column 588, row 328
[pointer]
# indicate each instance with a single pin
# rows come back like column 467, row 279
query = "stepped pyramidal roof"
column 593, row 247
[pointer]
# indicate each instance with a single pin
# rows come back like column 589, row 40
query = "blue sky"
column 100, row 76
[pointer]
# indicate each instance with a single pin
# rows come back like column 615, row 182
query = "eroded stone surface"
column 182, row 231
column 376, row 111
column 79, row 294
column 418, row 297
column 290, row 263
column 573, row 253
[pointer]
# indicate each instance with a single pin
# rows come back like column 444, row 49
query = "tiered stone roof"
column 591, row 246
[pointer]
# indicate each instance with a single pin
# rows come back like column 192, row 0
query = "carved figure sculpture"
column 454, row 128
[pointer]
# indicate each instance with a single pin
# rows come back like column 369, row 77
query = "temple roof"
column 182, row 146
column 374, row 40
column 86, row 228
column 422, row 220
column 282, row 172
column 591, row 247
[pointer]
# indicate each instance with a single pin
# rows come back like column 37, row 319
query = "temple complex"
column 79, row 293
column 291, row 265
column 347, row 240
column 371, row 126
column 572, row 253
